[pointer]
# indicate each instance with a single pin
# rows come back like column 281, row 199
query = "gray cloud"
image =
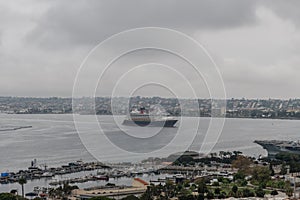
column 255, row 43
column 76, row 22
column 288, row 10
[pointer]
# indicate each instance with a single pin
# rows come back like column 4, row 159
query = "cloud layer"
column 255, row 43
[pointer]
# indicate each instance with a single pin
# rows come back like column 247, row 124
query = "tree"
column 289, row 191
column 247, row 193
column 215, row 184
column 261, row 174
column 217, row 191
column 22, row 181
column 274, row 192
column 234, row 189
column 242, row 163
column 200, row 197
column 7, row 196
column 130, row 197
column 186, row 197
column 243, row 183
column 259, row 192
column 210, row 195
column 271, row 169
column 10, row 196
column 239, row 176
column 202, row 188
column 283, row 169
column 222, row 195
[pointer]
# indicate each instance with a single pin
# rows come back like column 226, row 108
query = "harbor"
column 34, row 172
column 54, row 141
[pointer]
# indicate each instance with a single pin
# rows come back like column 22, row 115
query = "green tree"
column 210, row 195
column 200, row 197
column 242, row 163
column 274, row 192
column 7, row 196
column 22, row 181
column 217, row 191
column 234, row 189
column 244, row 183
column 261, row 174
column 130, row 197
column 186, row 197
column 259, row 192
column 216, row 183
column 289, row 191
column 239, row 176
column 271, row 169
column 247, row 193
column 222, row 195
column 10, row 196
column 202, row 188
column 283, row 169
column 100, row 198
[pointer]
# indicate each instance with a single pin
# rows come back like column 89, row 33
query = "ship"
column 274, row 147
column 142, row 117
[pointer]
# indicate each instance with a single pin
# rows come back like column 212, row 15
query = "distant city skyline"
column 232, row 108
column 255, row 43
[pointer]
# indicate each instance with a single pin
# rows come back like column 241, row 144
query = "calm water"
column 54, row 140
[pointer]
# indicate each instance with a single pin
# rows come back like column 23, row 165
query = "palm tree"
column 22, row 181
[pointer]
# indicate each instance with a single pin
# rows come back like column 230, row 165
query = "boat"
column 142, row 117
column 102, row 177
column 47, row 175
column 278, row 146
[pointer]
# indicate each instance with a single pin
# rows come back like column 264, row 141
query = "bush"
column 243, row 183
column 247, row 193
column 274, row 192
column 239, row 176
column 210, row 195
column 222, row 195
column 259, row 192
column 215, row 184
column 7, row 196
column 200, row 197
column 130, row 197
column 234, row 189
column 217, row 190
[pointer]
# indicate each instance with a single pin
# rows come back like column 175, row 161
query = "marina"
column 33, row 172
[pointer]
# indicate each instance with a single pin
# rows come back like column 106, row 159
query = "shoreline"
column 264, row 118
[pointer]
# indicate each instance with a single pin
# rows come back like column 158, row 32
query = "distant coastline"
column 288, row 109
column 206, row 116
column 13, row 128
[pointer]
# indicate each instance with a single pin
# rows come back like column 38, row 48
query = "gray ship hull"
column 157, row 123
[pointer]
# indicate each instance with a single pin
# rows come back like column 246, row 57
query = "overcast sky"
column 256, row 44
